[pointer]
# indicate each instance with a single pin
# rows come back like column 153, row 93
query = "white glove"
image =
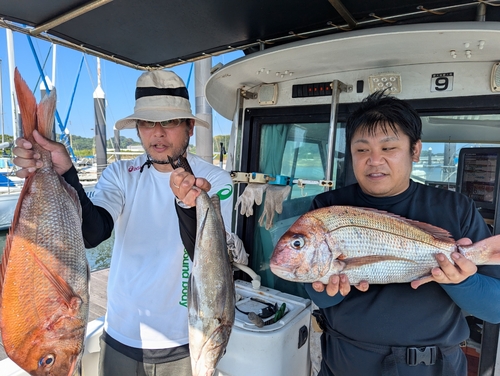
column 275, row 195
column 252, row 193
column 236, row 249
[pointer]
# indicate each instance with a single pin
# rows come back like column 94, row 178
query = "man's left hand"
column 186, row 187
column 449, row 272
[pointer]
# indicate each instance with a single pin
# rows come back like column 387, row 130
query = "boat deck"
column 98, row 298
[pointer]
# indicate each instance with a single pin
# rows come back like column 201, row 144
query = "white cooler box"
column 280, row 348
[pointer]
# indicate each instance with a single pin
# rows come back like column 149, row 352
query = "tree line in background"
column 84, row 146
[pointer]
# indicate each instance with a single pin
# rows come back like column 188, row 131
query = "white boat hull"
column 8, row 202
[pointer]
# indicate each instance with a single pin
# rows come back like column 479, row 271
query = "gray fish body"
column 211, row 294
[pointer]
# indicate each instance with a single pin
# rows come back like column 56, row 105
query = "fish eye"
column 47, row 361
column 297, row 242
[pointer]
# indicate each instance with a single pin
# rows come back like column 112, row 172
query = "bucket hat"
column 160, row 95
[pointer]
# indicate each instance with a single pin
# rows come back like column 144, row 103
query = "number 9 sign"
column 442, row 82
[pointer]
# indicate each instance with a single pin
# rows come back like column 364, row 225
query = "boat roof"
column 153, row 34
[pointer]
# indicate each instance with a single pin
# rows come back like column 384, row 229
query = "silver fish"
column 211, row 293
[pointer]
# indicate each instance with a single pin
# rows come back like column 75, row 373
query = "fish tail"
column 483, row 252
column 45, row 114
column 27, row 105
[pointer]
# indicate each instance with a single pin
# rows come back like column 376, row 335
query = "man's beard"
column 176, row 153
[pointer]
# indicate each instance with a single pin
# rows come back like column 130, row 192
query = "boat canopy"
column 153, row 34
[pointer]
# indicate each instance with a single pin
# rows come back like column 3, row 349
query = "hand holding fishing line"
column 29, row 160
column 185, row 186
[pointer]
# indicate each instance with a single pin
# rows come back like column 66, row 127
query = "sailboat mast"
column 1, row 104
column 100, row 123
column 53, row 65
column 16, row 120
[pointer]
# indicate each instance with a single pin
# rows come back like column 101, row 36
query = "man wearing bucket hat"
column 148, row 203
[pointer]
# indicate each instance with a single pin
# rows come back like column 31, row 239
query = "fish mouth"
column 75, row 368
column 280, row 269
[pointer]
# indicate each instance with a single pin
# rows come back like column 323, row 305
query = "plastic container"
column 278, row 348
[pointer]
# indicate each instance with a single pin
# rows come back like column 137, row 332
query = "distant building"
column 135, row 148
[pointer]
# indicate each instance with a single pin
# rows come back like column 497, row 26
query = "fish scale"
column 367, row 245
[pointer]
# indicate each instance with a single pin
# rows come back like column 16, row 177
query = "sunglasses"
column 168, row 124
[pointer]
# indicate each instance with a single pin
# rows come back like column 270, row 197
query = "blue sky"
column 117, row 81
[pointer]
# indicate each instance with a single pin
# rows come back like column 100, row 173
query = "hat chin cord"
column 150, row 161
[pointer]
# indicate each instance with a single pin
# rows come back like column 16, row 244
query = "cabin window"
column 439, row 160
column 298, row 151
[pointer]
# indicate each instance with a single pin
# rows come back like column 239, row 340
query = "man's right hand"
column 29, row 160
column 339, row 284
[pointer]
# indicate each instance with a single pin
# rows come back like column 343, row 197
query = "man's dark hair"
column 382, row 110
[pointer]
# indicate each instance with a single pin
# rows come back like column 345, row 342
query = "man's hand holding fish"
column 449, row 272
column 29, row 160
column 339, row 284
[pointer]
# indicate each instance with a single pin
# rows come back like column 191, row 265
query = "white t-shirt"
column 149, row 272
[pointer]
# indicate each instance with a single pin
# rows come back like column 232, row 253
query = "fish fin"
column 3, row 262
column 421, row 281
column 62, row 287
column 483, row 252
column 216, row 205
column 10, row 235
column 45, row 114
column 216, row 344
column 436, row 232
column 494, row 255
column 354, row 262
column 193, row 294
column 27, row 104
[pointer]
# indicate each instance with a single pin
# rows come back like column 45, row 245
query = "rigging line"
column 488, row 3
column 297, row 35
column 74, row 91
column 43, row 68
column 420, row 7
column 42, row 75
column 47, row 89
column 343, row 28
column 88, row 71
column 94, row 85
column 380, row 18
column 189, row 77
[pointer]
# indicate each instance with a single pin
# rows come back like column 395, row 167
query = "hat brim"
column 130, row 121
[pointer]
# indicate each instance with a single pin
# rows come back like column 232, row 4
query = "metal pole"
column 16, row 116
column 53, row 64
column 1, row 104
column 117, row 144
column 337, row 88
column 100, row 124
column 204, row 137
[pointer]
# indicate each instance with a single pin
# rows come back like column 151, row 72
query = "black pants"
column 114, row 363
